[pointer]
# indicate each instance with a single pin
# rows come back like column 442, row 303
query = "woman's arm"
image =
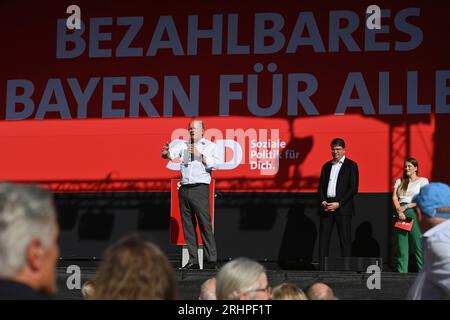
column 400, row 209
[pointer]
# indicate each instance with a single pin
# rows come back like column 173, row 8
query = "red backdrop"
column 123, row 153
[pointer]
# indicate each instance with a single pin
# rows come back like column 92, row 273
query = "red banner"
column 91, row 93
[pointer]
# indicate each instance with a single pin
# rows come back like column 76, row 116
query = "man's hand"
column 332, row 206
column 165, row 151
column 197, row 155
column 324, row 206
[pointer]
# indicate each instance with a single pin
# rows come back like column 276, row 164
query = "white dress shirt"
column 335, row 168
column 195, row 171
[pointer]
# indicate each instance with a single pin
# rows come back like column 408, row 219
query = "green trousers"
column 404, row 238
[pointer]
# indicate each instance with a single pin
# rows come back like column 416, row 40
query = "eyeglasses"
column 267, row 289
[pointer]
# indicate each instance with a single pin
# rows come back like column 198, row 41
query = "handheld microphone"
column 192, row 151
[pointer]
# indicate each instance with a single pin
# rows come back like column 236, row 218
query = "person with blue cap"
column 433, row 203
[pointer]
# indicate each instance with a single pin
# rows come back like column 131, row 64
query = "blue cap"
column 432, row 197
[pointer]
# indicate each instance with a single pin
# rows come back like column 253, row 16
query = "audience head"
column 242, row 279
column 134, row 269
column 28, row 237
column 208, row 290
column 433, row 205
column 320, row 291
column 288, row 291
column 87, row 290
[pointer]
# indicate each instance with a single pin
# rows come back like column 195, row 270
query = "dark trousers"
column 343, row 223
column 194, row 201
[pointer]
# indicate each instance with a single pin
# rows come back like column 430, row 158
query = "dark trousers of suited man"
column 339, row 180
column 194, row 201
column 343, row 223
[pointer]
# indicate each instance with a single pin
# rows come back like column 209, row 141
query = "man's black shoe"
column 211, row 266
column 191, row 266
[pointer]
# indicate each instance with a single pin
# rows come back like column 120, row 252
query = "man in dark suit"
column 338, row 185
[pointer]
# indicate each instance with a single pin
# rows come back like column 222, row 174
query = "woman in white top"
column 404, row 190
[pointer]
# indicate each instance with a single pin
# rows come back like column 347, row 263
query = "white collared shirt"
column 195, row 171
column 335, row 168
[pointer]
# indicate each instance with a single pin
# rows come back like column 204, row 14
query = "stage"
column 347, row 285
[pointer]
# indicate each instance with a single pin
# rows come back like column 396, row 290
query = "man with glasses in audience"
column 243, row 279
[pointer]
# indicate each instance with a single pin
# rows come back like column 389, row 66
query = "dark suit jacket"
column 346, row 186
column 11, row 290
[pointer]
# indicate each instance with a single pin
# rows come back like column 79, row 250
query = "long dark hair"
column 405, row 179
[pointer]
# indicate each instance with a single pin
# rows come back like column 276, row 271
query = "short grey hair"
column 26, row 213
column 208, row 290
column 238, row 276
